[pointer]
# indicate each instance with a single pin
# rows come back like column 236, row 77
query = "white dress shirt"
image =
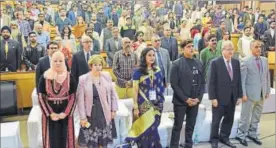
column 272, row 31
column 230, row 63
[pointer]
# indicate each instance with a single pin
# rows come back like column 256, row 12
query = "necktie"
column 6, row 48
column 229, row 70
column 160, row 63
column 258, row 64
column 87, row 57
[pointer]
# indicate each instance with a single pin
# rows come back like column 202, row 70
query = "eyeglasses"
column 32, row 36
column 141, row 35
column 213, row 40
column 53, row 48
column 127, row 42
column 156, row 40
column 87, row 42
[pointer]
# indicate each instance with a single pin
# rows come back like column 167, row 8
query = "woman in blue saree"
column 148, row 86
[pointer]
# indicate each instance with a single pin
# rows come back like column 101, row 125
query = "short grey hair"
column 85, row 37
column 227, row 43
column 253, row 42
column 154, row 36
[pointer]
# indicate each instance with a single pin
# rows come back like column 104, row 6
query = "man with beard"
column 10, row 52
column 45, row 25
column 62, row 21
column 33, row 52
column 43, row 37
column 17, row 35
column 270, row 36
column 24, row 25
column 244, row 42
column 209, row 53
column 124, row 62
column 97, row 25
column 106, row 34
column 102, row 18
column 28, row 18
column 128, row 30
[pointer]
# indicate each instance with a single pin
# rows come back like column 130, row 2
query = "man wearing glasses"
column 80, row 58
column 33, row 52
column 209, row 53
column 162, row 59
column 225, row 92
column 124, row 62
column 44, row 63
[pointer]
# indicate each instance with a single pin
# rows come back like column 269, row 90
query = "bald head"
column 38, row 28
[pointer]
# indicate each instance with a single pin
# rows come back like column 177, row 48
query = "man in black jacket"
column 44, row 63
column 187, row 81
column 10, row 51
column 225, row 91
column 80, row 58
column 33, row 52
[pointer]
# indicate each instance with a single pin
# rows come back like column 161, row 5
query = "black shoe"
column 228, row 143
column 214, row 145
column 255, row 140
column 242, row 141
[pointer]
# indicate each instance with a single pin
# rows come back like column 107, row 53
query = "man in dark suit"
column 187, row 81
column 44, row 62
column 113, row 45
column 80, row 58
column 225, row 91
column 170, row 43
column 270, row 36
column 10, row 52
column 96, row 43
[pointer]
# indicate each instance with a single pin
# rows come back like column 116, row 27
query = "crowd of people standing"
column 185, row 52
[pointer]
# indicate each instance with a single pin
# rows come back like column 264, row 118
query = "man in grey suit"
column 162, row 58
column 113, row 45
column 170, row 43
column 255, row 86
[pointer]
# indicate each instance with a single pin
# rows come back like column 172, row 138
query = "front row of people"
column 229, row 84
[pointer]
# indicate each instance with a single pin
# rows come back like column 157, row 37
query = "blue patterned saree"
column 144, row 130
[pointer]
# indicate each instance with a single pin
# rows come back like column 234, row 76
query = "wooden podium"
column 25, row 83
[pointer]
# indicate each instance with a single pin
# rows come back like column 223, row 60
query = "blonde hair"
column 96, row 59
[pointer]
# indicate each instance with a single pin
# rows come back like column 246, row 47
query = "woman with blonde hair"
column 97, row 105
column 56, row 95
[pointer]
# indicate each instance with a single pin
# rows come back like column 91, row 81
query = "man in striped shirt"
column 124, row 62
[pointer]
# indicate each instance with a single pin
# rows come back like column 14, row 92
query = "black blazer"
column 220, row 86
column 181, row 81
column 269, row 41
column 79, row 64
column 42, row 66
column 13, row 59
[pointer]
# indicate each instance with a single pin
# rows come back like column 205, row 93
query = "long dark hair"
column 137, row 34
column 143, row 67
column 63, row 32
